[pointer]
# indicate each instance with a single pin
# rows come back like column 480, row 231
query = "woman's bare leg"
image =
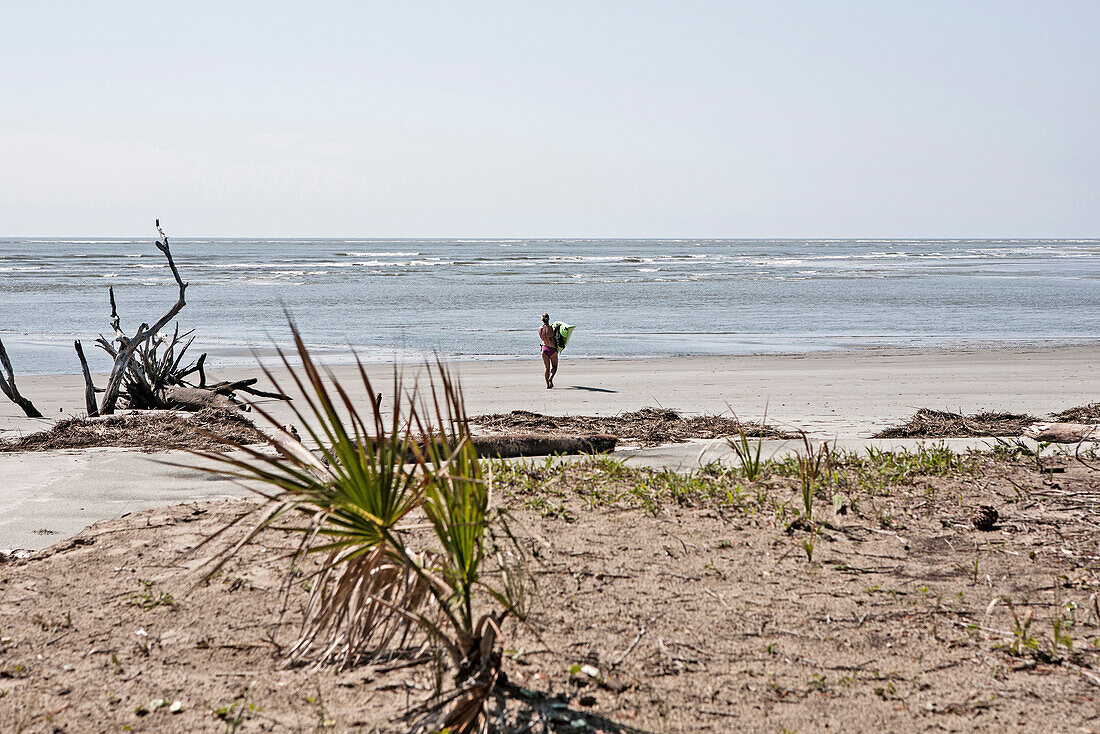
column 553, row 368
column 547, row 375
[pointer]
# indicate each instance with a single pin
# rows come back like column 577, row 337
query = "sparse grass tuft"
column 748, row 454
column 148, row 598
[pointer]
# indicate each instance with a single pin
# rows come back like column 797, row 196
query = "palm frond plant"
column 457, row 502
column 360, row 500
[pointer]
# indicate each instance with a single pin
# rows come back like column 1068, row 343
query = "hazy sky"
column 467, row 119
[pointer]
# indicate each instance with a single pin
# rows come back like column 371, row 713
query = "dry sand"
column 700, row 614
column 891, row 628
column 847, row 395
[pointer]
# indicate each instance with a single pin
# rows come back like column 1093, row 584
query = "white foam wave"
column 378, row 254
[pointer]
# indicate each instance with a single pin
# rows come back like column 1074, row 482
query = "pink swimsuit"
column 549, row 350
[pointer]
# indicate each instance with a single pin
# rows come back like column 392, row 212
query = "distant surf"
column 481, row 299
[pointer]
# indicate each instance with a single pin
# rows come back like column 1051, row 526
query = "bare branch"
column 120, row 337
column 129, row 346
column 7, row 386
column 89, row 386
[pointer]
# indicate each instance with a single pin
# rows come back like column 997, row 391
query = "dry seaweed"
column 1081, row 414
column 648, row 426
column 148, row 431
column 927, row 423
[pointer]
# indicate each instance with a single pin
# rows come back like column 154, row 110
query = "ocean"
column 482, row 299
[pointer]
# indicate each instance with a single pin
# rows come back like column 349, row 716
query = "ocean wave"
column 83, row 242
column 270, row 282
column 377, row 254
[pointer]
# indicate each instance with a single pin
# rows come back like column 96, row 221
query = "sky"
column 773, row 118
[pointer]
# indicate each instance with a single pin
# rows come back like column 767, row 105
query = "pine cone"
column 985, row 517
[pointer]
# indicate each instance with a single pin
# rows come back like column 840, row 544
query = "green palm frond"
column 359, row 493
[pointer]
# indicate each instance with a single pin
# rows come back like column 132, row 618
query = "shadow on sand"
column 547, row 712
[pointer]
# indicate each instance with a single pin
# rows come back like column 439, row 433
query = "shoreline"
column 235, row 356
column 851, row 390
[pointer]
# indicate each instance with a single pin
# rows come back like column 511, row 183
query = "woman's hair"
column 546, row 318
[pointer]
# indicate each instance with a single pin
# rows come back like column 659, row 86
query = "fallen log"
column 1063, row 432
column 522, row 444
column 227, row 387
column 286, row 440
column 506, row 447
column 196, row 398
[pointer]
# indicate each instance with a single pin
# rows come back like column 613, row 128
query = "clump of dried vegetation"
column 928, row 423
column 1081, row 414
column 209, row 429
column 647, row 427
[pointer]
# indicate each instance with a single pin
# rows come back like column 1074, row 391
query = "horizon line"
column 459, row 238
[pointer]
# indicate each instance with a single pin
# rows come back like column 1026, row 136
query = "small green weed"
column 1022, row 639
column 748, row 452
column 237, row 711
column 148, row 598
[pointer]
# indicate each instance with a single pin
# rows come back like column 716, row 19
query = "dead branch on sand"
column 146, row 377
column 510, row 446
column 7, row 386
column 127, row 346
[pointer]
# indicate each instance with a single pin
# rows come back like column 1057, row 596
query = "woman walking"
column 549, row 350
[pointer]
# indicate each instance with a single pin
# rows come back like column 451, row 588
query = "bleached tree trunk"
column 1063, row 432
column 505, row 447
column 7, row 386
column 89, row 386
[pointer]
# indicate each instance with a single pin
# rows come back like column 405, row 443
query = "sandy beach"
column 844, row 393
column 822, row 454
column 895, row 617
column 832, row 395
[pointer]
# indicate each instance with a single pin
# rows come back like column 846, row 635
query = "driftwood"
column 505, row 447
column 89, row 386
column 179, row 397
column 7, row 386
column 144, row 376
column 289, row 444
column 228, row 387
column 1063, row 432
column 127, row 346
